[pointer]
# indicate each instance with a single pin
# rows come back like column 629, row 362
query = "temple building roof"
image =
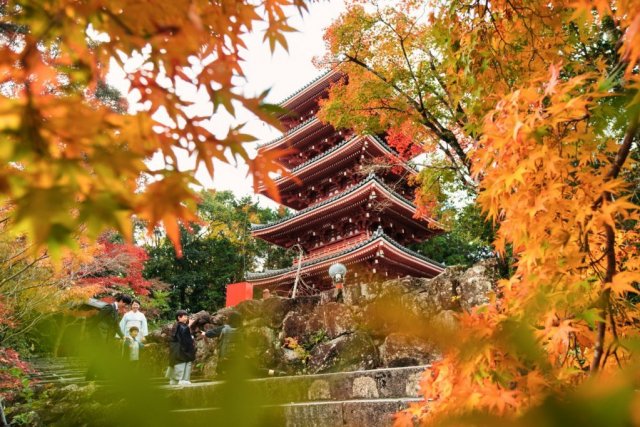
column 289, row 136
column 333, row 159
column 344, row 143
column 378, row 245
column 311, row 89
column 348, row 198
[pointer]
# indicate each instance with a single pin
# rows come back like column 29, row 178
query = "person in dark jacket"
column 104, row 328
column 182, row 351
column 230, row 336
column 107, row 318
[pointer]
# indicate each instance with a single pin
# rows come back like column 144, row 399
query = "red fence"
column 238, row 292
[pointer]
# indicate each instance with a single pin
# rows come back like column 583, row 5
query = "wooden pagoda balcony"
column 336, row 246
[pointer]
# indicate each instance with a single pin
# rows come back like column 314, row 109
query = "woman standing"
column 136, row 318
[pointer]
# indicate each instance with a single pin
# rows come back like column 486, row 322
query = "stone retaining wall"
column 390, row 324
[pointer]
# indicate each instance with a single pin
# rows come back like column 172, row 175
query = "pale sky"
column 283, row 73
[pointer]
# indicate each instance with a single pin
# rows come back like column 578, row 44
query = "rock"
column 295, row 325
column 440, row 293
column 207, row 356
column 388, row 315
column 306, row 303
column 199, row 319
column 405, row 350
column 155, row 358
column 352, row 294
column 160, row 335
column 334, row 318
column 220, row 317
column 350, row 352
column 368, row 292
column 412, row 387
column 275, row 309
column 261, row 345
column 292, row 361
column 445, row 321
column 327, row 296
column 249, row 309
column 476, row 283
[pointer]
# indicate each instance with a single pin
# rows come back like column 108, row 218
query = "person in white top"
column 136, row 318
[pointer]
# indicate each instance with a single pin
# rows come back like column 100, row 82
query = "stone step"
column 72, row 370
column 350, row 413
column 388, row 383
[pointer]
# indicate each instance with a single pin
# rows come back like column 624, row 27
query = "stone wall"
column 390, row 324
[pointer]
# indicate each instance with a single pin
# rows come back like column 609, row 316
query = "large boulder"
column 440, row 293
column 199, row 320
column 207, row 356
column 406, row 350
column 249, row 309
column 476, row 283
column 349, row 352
column 446, row 322
column 275, row 309
column 221, row 316
column 295, row 325
column 333, row 318
column 261, row 346
column 327, row 321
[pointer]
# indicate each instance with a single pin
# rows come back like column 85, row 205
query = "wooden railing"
column 337, row 245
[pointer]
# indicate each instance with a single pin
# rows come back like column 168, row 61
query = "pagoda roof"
column 376, row 240
column 335, row 151
column 289, row 132
column 320, row 81
column 311, row 123
column 337, row 147
column 347, row 196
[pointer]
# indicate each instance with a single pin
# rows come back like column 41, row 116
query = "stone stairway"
column 360, row 398
column 355, row 399
column 59, row 370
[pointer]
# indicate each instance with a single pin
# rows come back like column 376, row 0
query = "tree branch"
column 616, row 167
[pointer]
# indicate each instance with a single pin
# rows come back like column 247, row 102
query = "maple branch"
column 16, row 255
column 401, row 40
column 621, row 157
column 623, row 152
column 119, row 22
column 566, row 356
column 22, row 270
column 411, row 72
column 370, row 69
column 604, row 299
column 462, row 120
column 380, row 107
column 21, row 331
column 39, row 285
column 428, row 119
column 614, row 329
column 607, row 354
column 616, row 167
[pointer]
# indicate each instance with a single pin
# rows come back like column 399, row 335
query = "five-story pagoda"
column 344, row 213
